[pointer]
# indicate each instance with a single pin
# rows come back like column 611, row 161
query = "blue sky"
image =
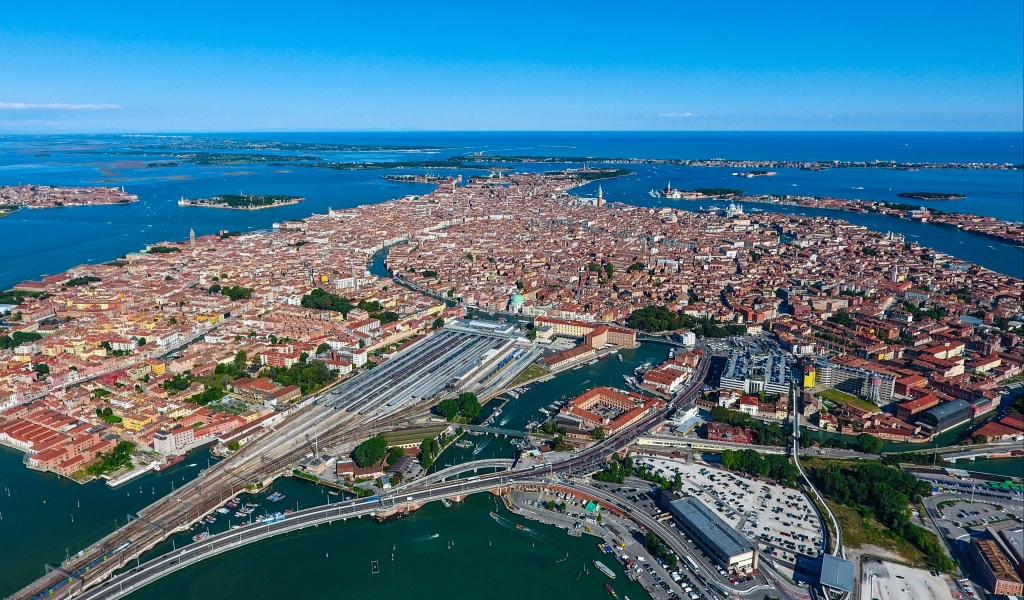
column 255, row 66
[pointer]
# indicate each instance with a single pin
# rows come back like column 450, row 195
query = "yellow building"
column 138, row 420
column 810, row 376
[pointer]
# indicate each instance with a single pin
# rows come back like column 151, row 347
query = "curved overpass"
column 490, row 463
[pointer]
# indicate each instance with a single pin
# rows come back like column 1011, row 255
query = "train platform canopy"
column 413, row 437
column 836, row 573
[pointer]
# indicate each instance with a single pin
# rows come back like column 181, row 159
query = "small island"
column 931, row 196
column 242, row 201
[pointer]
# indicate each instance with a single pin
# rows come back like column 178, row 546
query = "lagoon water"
column 39, row 242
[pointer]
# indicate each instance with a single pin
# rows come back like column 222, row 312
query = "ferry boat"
column 611, row 591
column 171, row 461
column 604, row 569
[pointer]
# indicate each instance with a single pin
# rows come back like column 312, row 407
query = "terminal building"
column 836, row 576
column 722, row 543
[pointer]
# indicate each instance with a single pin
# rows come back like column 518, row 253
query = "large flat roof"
column 836, row 573
column 725, row 540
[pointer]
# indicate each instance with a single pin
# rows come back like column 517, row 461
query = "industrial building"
column 722, row 543
column 995, row 568
column 945, row 416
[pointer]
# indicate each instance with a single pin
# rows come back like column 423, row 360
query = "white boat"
column 604, row 569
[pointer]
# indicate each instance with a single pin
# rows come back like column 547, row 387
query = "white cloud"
column 674, row 115
column 57, row 106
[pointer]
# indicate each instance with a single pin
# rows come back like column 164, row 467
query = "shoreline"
column 853, row 205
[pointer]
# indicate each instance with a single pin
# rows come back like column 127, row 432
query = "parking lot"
column 890, row 581
column 965, row 514
column 780, row 519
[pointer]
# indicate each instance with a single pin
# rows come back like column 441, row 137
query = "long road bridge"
column 269, row 455
column 152, row 570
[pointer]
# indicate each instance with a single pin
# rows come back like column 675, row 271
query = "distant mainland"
column 242, row 201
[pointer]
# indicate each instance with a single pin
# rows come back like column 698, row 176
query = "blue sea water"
column 38, row 242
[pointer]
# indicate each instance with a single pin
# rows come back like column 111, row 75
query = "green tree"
column 395, row 454
column 324, row 347
column 598, row 433
column 448, row 408
column 233, row 445
column 42, row 370
column 609, row 268
column 869, row 444
column 438, row 323
column 371, row 452
column 469, row 406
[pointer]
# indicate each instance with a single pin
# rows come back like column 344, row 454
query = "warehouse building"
column 945, row 416
column 720, row 541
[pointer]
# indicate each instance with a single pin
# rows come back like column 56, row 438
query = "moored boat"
column 604, row 569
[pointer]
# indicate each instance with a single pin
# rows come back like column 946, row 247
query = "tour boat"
column 604, row 569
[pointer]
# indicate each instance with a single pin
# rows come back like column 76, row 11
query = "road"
column 820, row 504
column 272, row 453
